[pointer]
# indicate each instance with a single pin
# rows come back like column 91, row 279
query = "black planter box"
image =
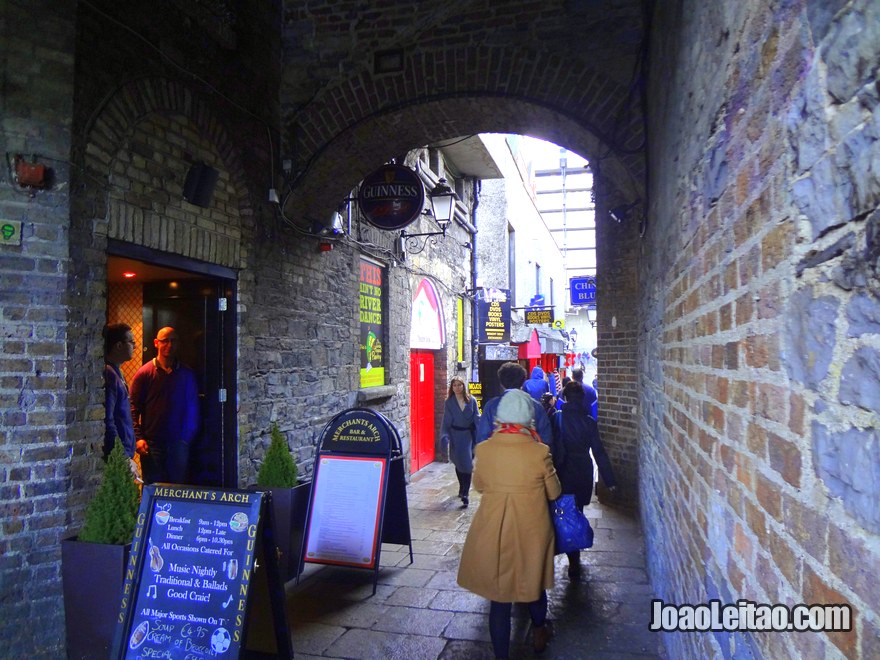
column 92, row 576
column 289, row 510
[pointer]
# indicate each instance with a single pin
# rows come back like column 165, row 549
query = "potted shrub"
column 290, row 502
column 93, row 563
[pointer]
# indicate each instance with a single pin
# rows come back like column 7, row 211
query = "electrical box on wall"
column 29, row 174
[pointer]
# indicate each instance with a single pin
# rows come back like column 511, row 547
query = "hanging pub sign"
column 583, row 290
column 493, row 312
column 391, row 197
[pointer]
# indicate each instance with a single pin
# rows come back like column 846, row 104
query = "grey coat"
column 459, row 431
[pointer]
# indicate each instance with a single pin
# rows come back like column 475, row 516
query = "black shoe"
column 464, row 502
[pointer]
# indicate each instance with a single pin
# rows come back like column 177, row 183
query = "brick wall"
column 759, row 367
column 36, row 48
column 618, row 328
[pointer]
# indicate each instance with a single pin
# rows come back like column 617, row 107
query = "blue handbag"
column 573, row 531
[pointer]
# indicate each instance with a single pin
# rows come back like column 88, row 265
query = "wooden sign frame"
column 202, row 560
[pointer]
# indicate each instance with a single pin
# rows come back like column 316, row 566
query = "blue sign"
column 583, row 290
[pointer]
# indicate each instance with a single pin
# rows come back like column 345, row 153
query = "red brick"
column 787, row 560
column 818, row 591
column 785, row 458
column 806, row 525
column 776, row 246
column 768, row 496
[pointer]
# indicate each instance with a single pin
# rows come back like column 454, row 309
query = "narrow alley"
column 420, row 613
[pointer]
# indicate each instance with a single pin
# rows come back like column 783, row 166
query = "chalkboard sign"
column 192, row 572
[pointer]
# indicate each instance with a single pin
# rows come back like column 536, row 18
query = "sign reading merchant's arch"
column 391, row 197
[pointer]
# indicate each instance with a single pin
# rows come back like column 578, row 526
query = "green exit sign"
column 10, row 232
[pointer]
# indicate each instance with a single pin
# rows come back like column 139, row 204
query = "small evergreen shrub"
column 112, row 514
column 278, row 469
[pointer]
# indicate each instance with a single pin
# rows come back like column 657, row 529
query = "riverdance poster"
column 372, row 323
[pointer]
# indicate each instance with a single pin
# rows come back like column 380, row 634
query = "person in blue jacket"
column 536, row 385
column 511, row 375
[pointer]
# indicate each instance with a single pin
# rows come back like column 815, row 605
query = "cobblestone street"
column 420, row 613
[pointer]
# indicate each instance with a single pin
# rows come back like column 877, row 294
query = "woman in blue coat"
column 460, row 417
column 577, row 435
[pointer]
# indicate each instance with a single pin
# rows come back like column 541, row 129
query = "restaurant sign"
column 391, row 197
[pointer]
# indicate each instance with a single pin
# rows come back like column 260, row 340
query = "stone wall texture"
column 758, row 361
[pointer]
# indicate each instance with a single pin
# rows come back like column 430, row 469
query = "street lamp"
column 443, row 200
column 574, row 337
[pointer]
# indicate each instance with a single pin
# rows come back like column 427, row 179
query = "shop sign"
column 539, row 316
column 583, row 290
column 493, row 312
column 391, row 197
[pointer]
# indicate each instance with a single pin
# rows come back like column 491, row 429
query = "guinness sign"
column 391, row 197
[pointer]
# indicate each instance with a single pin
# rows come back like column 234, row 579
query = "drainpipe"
column 475, row 344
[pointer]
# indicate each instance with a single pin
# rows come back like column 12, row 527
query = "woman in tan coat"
column 508, row 552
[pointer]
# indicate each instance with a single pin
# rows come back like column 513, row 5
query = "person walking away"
column 577, row 436
column 536, row 385
column 508, row 552
column 118, row 348
column 165, row 411
column 459, row 431
column 511, row 375
column 592, row 396
column 548, row 403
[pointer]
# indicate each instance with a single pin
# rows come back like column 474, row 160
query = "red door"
column 421, row 408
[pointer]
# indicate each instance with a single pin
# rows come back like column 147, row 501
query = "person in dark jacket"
column 592, row 396
column 577, row 434
column 459, row 431
column 511, row 376
column 536, row 385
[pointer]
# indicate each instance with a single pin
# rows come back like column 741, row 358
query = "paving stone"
column 414, row 621
column 370, row 644
column 412, row 597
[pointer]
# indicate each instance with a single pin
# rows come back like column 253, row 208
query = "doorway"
column 168, row 291
column 421, row 369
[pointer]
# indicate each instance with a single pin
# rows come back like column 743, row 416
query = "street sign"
column 583, row 290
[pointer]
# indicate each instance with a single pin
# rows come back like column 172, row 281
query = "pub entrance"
column 150, row 290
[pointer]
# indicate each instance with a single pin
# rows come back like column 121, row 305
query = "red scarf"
column 506, row 427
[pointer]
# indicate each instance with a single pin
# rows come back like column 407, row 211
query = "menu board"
column 344, row 529
column 190, row 574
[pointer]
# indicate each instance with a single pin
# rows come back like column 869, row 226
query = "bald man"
column 165, row 412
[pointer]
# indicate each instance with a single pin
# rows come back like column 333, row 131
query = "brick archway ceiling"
column 567, row 72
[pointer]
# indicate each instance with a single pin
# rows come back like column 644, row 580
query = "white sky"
column 545, row 155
